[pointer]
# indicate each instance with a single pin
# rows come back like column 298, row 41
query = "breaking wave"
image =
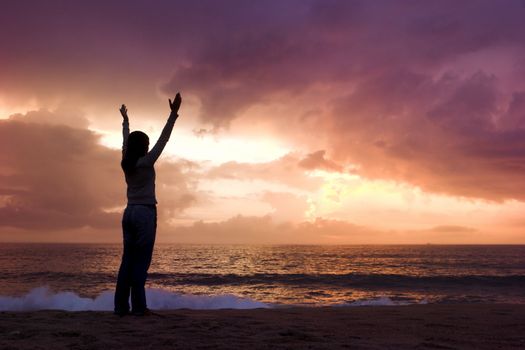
column 42, row 298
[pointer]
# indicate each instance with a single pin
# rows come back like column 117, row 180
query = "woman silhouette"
column 139, row 222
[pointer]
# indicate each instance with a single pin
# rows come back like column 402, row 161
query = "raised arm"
column 125, row 128
column 155, row 152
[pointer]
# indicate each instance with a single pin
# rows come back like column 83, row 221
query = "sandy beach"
column 465, row 326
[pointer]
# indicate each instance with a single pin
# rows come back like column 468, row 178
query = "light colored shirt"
column 141, row 182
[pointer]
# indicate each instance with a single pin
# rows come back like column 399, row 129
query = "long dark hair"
column 138, row 143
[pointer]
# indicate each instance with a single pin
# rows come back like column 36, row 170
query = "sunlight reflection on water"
column 313, row 275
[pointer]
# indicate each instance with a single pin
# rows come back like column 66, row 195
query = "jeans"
column 139, row 225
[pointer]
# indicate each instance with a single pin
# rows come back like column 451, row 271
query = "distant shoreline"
column 432, row 326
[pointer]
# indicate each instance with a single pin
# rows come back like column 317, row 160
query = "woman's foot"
column 120, row 313
column 145, row 312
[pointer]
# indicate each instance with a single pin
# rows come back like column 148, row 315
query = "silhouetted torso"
column 141, row 181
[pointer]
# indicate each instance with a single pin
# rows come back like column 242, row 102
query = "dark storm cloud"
column 429, row 93
column 418, row 94
column 60, row 177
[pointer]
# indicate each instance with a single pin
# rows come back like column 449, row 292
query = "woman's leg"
column 124, row 274
column 145, row 222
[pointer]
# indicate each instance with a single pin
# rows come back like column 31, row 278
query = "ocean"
column 82, row 276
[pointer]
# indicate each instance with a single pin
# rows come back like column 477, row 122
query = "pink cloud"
column 286, row 170
column 317, row 160
column 257, row 230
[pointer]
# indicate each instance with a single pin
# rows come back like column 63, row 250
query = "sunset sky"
column 333, row 122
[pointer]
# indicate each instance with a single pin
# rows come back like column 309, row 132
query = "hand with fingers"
column 175, row 105
column 124, row 111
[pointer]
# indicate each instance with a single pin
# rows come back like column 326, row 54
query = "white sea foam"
column 42, row 298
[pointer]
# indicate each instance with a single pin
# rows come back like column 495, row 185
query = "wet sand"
column 465, row 326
